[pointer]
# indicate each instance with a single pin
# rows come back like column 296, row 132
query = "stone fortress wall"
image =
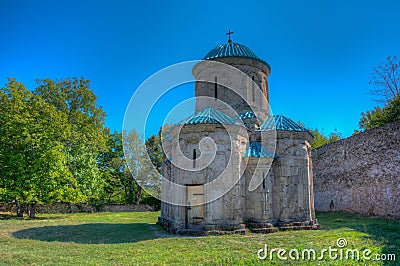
column 360, row 174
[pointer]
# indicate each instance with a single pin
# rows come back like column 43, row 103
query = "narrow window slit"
column 215, row 88
column 194, row 158
column 252, row 87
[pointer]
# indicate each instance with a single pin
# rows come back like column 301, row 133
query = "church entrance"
column 195, row 210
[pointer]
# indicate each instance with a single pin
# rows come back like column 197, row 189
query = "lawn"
column 134, row 239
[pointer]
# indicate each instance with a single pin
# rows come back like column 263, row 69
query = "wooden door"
column 195, row 196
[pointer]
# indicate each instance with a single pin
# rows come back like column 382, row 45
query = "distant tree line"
column 320, row 138
column 55, row 147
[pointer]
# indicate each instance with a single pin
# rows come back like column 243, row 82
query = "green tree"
column 120, row 186
column 32, row 161
column 54, row 147
column 111, row 163
column 135, row 153
column 381, row 116
column 385, row 81
column 320, row 139
column 140, row 165
column 155, row 151
column 88, row 136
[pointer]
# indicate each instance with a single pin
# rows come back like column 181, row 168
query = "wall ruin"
column 360, row 174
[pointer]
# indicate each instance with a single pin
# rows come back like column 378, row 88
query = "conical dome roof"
column 232, row 49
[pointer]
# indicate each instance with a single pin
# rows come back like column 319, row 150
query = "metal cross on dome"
column 229, row 33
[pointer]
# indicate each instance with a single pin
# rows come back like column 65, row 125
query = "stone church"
column 232, row 166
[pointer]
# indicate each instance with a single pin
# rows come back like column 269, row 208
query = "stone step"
column 220, row 232
column 259, row 225
column 264, row 230
column 191, row 232
column 291, row 228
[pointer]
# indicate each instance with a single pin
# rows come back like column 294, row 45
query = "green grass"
column 131, row 239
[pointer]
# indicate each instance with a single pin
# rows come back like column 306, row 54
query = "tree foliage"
column 54, row 147
column 381, row 116
column 50, row 140
column 155, row 151
column 87, row 140
column 32, row 161
column 385, row 80
column 320, row 139
column 140, row 165
column 121, row 187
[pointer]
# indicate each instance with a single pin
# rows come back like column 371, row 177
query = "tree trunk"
column 32, row 210
column 139, row 195
column 16, row 207
column 21, row 209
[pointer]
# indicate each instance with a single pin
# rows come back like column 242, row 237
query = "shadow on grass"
column 96, row 233
column 386, row 232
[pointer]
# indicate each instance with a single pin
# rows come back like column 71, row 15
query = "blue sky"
column 321, row 52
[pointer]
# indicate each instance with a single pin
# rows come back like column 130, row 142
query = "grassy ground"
column 133, row 239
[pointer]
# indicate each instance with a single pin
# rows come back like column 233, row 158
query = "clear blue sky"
column 321, row 52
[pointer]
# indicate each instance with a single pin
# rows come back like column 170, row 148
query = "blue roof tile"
column 232, row 49
column 280, row 122
column 254, row 149
column 248, row 114
column 210, row 116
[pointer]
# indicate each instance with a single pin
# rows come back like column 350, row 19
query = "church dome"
column 232, row 49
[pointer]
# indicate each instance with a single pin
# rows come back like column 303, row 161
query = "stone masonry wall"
column 227, row 161
column 360, row 174
column 242, row 83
